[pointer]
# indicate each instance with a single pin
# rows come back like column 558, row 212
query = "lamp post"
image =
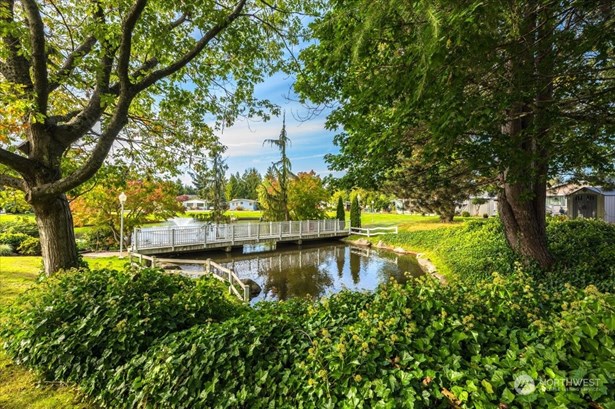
column 122, row 198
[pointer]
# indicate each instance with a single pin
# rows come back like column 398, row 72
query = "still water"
column 313, row 270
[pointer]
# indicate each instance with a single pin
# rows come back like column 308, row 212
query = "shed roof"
column 594, row 189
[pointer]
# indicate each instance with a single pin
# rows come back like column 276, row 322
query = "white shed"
column 592, row 202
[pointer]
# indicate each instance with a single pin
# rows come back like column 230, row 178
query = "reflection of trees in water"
column 355, row 267
column 398, row 267
column 296, row 274
column 340, row 260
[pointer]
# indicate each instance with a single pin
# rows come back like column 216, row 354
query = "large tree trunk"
column 55, row 224
column 523, row 218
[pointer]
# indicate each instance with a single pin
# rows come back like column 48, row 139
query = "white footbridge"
column 178, row 239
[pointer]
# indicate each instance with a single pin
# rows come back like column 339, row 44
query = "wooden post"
column 173, row 239
column 135, row 234
column 153, row 261
column 258, row 231
column 246, row 293
column 141, row 260
column 230, row 282
column 280, row 229
column 318, row 227
column 300, row 229
column 396, row 229
column 232, row 234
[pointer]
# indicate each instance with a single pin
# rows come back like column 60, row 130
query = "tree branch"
column 194, row 52
column 69, row 64
column 16, row 162
column 39, row 57
column 128, row 26
column 10, row 181
column 82, row 122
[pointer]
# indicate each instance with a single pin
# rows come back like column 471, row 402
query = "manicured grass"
column 19, row 387
column 13, row 217
column 410, row 222
column 17, row 274
column 113, row 263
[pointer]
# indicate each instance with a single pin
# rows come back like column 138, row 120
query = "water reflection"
column 317, row 269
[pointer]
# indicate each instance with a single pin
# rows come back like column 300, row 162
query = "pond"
column 313, row 270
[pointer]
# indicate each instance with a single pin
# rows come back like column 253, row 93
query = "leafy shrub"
column 6, row 250
column 20, row 225
column 30, row 247
column 585, row 253
column 13, row 239
column 418, row 345
column 80, row 325
column 465, row 213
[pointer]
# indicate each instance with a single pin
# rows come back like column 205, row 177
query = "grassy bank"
column 20, row 388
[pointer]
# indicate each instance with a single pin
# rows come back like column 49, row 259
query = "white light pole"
column 122, row 198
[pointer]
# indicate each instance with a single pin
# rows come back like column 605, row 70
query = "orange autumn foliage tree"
column 147, row 201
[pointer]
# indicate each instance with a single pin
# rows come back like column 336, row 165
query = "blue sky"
column 310, row 140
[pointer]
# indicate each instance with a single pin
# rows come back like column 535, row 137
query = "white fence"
column 241, row 233
column 374, row 231
column 210, row 268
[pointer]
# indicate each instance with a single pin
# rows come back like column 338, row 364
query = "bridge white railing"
column 165, row 237
column 374, row 231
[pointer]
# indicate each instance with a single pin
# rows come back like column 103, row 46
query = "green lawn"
column 20, row 388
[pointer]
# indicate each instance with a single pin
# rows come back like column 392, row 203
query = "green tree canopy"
column 81, row 80
column 518, row 91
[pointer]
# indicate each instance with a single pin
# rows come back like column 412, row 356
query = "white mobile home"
column 195, row 204
column 243, row 204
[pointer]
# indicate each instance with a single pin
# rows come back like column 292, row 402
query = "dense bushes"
column 81, row 325
column 21, row 235
column 585, row 253
column 418, row 345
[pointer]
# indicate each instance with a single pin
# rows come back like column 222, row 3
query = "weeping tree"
column 519, row 91
column 275, row 187
column 77, row 77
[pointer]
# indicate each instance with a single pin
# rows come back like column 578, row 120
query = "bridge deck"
column 193, row 238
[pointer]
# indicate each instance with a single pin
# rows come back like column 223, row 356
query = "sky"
column 310, row 141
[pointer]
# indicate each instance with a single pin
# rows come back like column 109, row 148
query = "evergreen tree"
column 355, row 213
column 340, row 214
column 210, row 182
